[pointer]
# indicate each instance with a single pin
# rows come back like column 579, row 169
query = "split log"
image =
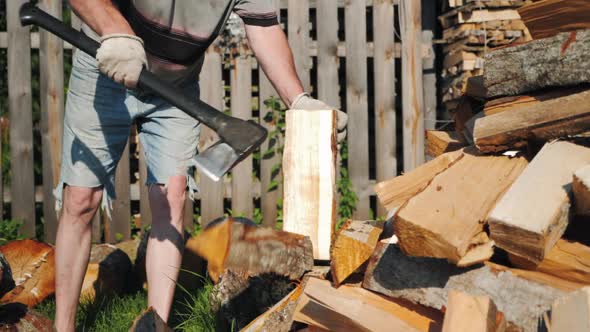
column 395, row 192
column 109, row 271
column 471, row 313
column 149, row 321
column 239, row 245
column 17, row 317
column 6, row 281
column 445, row 220
column 572, row 312
column 309, row 177
column 349, row 308
column 353, row 246
column 566, row 260
column 534, row 212
column 549, row 17
column 279, row 317
column 557, row 61
column 428, row 280
column 239, row 298
column 439, row 142
column 538, row 277
column 581, row 189
column 33, row 270
column 540, row 122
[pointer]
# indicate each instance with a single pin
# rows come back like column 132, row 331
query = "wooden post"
column 52, row 111
column 412, row 93
column 356, row 103
column 298, row 18
column 144, row 202
column 118, row 227
column 384, row 76
column 211, row 93
column 241, row 101
column 21, row 119
column 268, row 199
column 429, row 70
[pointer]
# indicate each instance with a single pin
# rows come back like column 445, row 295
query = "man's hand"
column 121, row 57
column 305, row 102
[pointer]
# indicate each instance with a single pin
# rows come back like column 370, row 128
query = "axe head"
column 216, row 160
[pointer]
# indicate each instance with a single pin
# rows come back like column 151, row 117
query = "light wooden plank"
column 144, row 201
column 52, row 112
column 412, row 95
column 309, row 167
column 268, row 199
column 469, row 313
column 357, row 104
column 241, row 95
column 298, row 32
column 571, row 312
column 212, row 93
column 384, row 85
column 534, row 212
column 118, row 227
column 21, row 120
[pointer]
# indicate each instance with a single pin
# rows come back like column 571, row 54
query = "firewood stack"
column 471, row 28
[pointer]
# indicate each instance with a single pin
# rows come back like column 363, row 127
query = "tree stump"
column 149, row 321
column 18, row 318
column 109, row 271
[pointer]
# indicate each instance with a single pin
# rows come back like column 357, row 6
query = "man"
column 170, row 38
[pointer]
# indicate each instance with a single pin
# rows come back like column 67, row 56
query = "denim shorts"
column 98, row 118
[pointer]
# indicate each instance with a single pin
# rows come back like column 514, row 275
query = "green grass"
column 190, row 312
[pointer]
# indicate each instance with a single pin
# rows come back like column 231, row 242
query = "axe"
column 238, row 138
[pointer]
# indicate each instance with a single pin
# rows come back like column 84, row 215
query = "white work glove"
column 305, row 102
column 121, row 57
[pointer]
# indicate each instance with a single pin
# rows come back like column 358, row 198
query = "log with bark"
column 538, row 122
column 571, row 312
column 149, row 321
column 472, row 313
column 309, row 177
column 534, row 212
column 352, row 247
column 350, row 308
column 397, row 191
column 581, row 189
column 109, row 272
column 428, row 280
column 19, row 318
column 33, row 270
column 6, row 281
column 238, row 244
column 446, row 219
column 556, row 61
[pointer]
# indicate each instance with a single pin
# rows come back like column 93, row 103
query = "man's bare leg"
column 165, row 245
column 72, row 249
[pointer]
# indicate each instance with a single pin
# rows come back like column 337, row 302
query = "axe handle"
column 212, row 118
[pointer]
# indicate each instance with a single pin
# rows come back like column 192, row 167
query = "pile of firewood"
column 471, row 28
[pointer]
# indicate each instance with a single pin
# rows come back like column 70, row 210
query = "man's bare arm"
column 272, row 51
column 102, row 16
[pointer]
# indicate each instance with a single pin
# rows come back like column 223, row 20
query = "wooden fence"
column 356, row 74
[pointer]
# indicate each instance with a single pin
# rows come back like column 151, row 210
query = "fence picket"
column 118, row 227
column 298, row 31
column 241, row 107
column 384, row 76
column 328, row 61
column 212, row 93
column 356, row 104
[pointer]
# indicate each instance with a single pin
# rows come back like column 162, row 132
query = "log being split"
column 33, row 270
column 352, row 247
column 471, row 313
column 309, row 172
column 534, row 212
column 239, row 246
column 537, row 122
column 446, row 219
column 428, row 280
column 561, row 60
column 581, row 189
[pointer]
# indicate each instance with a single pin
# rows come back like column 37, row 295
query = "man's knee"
column 79, row 201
